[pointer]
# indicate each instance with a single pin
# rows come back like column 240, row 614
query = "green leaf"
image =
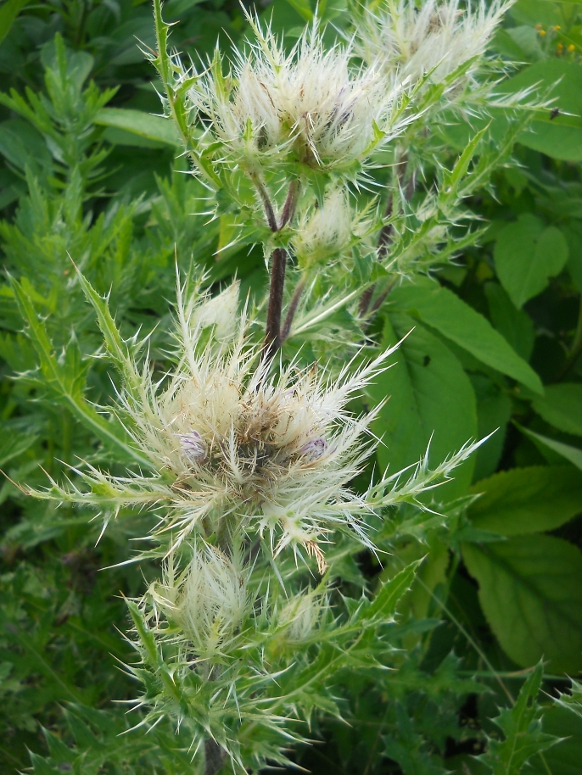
column 561, row 407
column 567, row 451
column 14, row 444
column 8, row 14
column 522, row 730
column 527, row 500
column 150, row 127
column 116, row 347
column 424, row 384
column 573, row 701
column 564, row 758
column 527, row 255
column 448, row 314
column 514, row 324
column 303, row 8
column 66, row 379
column 493, row 414
column 530, row 591
column 390, row 592
column 560, row 137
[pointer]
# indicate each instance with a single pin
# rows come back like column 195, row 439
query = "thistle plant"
column 254, row 442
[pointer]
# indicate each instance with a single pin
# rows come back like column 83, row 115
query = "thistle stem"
column 292, row 310
column 273, row 328
column 273, row 334
column 214, row 757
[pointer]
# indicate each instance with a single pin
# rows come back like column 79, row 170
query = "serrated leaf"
column 386, row 599
column 449, row 315
column 522, row 730
column 530, row 591
column 561, row 406
column 527, row 500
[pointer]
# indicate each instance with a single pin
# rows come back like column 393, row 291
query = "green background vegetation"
column 88, row 172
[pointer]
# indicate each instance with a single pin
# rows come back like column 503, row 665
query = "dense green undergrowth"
column 94, row 179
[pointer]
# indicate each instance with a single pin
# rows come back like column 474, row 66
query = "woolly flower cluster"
column 236, row 451
column 207, row 602
column 308, row 106
column 435, row 39
column 331, row 230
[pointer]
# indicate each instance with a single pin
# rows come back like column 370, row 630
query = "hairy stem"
column 268, row 207
column 273, row 334
column 214, row 757
column 273, row 328
column 292, row 310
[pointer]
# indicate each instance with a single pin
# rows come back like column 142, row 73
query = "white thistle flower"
column 435, row 39
column 207, row 602
column 309, row 106
column 237, row 452
column 326, row 231
column 300, row 616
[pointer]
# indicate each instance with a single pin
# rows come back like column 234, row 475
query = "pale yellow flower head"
column 310, row 105
column 408, row 42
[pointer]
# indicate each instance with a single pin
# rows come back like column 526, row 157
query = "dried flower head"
column 309, row 105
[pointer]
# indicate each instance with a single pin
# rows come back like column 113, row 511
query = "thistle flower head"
column 238, row 449
column 437, row 38
column 309, row 105
column 206, row 603
column 213, row 600
column 331, row 230
column 325, row 231
column 300, row 616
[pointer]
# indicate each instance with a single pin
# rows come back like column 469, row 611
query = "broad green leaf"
column 448, row 314
column 527, row 500
column 12, row 445
column 303, row 8
column 8, row 14
column 430, row 397
column 530, row 590
column 527, row 255
column 564, row 758
column 144, row 125
column 522, row 731
column 561, row 407
column 567, row 451
column 573, row 233
column 493, row 414
column 514, row 324
column 559, row 137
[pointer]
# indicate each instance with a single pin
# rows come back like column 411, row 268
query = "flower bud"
column 220, row 312
column 313, row 449
column 213, row 601
column 192, row 447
